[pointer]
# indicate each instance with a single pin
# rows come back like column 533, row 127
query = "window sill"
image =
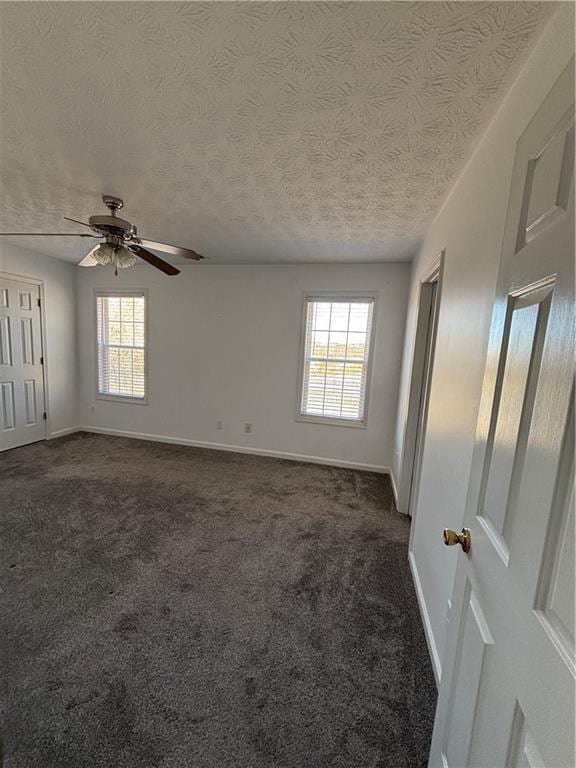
column 331, row 422
column 123, row 399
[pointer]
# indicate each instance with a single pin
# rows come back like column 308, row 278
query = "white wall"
column 60, row 356
column 224, row 345
column 470, row 226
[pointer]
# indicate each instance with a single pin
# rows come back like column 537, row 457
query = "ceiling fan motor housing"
column 116, row 230
column 114, row 226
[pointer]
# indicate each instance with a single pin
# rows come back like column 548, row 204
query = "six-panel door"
column 508, row 678
column 21, row 377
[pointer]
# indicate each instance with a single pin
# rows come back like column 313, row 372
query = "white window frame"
column 137, row 292
column 345, row 297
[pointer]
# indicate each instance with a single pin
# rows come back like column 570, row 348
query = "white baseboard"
column 240, row 449
column 62, row 432
column 432, row 648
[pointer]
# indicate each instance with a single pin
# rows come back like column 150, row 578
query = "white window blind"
column 121, row 345
column 336, row 358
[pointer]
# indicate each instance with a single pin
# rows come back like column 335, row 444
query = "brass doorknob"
column 451, row 538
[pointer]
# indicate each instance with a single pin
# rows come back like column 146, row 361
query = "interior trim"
column 425, row 616
column 62, row 432
column 239, row 449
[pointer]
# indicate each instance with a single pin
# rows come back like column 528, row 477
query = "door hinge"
column 41, row 361
column 44, row 416
column 39, row 302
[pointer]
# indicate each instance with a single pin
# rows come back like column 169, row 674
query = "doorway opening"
column 422, row 366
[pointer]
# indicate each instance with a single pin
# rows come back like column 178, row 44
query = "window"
column 336, row 359
column 121, row 333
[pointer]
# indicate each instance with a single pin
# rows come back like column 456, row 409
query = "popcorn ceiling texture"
column 274, row 131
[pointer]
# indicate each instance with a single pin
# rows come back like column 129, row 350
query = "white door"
column 21, row 380
column 507, row 690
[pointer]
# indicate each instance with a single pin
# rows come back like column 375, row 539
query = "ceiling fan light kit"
column 118, row 255
column 121, row 246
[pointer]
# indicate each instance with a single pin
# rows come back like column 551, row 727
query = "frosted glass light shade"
column 104, row 254
column 120, row 256
column 125, row 258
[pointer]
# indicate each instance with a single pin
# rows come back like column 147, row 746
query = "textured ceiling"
column 252, row 132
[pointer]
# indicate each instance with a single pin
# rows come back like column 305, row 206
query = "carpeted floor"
column 172, row 607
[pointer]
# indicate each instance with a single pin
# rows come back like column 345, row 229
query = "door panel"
column 512, row 612
column 5, row 341
column 21, row 374
column 559, row 601
column 8, row 409
column 30, row 402
column 516, row 382
column 27, row 341
column 524, row 751
column 554, row 604
column 474, row 639
column 25, row 299
column 548, row 180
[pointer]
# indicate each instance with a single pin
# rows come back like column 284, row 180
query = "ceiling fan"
column 122, row 246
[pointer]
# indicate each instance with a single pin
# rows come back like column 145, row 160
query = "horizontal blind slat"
column 336, row 351
column 120, row 328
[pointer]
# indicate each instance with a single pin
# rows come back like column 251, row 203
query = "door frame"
column 429, row 300
column 40, row 285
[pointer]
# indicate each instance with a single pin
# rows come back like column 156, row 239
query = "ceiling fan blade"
column 46, row 234
column 173, row 250
column 154, row 260
column 77, row 222
column 89, row 260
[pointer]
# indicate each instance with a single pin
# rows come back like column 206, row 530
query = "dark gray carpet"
column 169, row 606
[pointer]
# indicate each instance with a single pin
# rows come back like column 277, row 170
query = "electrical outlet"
column 248, row 428
column 219, row 424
